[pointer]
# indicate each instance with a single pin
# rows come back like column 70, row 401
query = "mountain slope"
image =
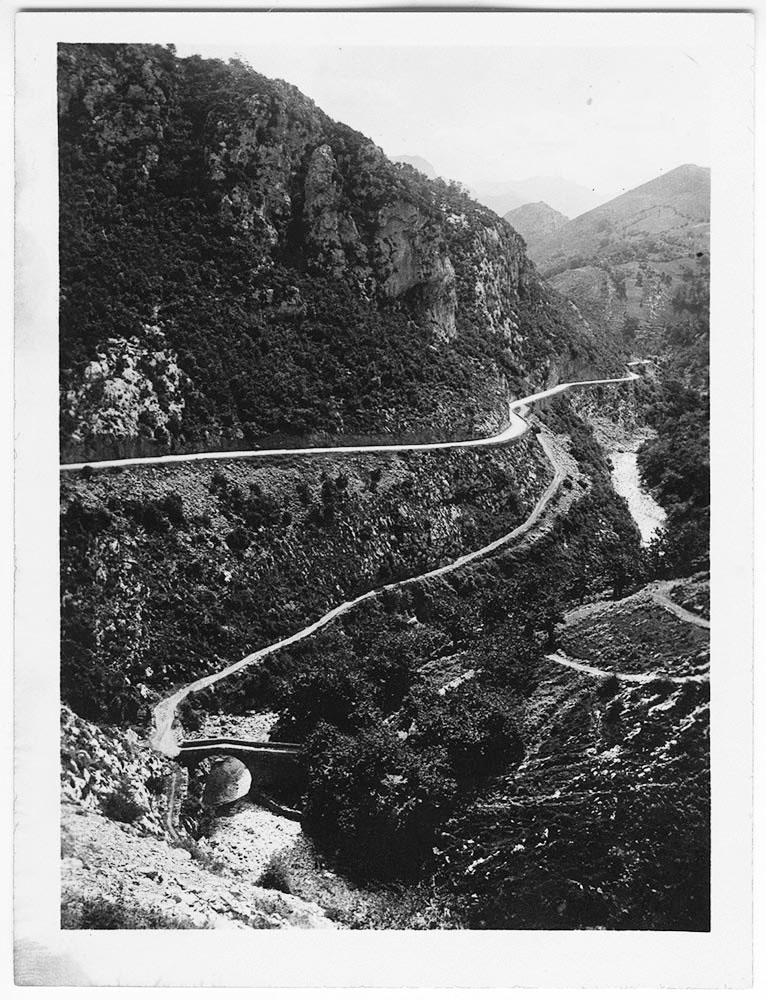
column 418, row 163
column 666, row 217
column 637, row 268
column 535, row 220
column 238, row 268
column 638, row 271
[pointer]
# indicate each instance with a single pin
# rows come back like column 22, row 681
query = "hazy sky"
column 605, row 118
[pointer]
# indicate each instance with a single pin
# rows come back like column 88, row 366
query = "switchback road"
column 163, row 739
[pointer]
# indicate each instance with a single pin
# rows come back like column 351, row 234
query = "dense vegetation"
column 169, row 573
column 237, row 268
column 392, row 760
column 676, row 464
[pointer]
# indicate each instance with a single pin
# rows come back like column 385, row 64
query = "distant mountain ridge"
column 535, row 220
column 563, row 195
column 669, row 214
column 631, row 265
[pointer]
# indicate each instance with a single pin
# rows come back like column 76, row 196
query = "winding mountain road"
column 516, row 427
column 163, row 739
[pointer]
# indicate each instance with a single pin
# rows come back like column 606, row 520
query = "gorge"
column 333, row 466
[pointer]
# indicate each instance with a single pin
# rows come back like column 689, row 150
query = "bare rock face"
column 144, row 882
column 322, row 197
column 111, row 771
column 441, row 298
column 497, row 277
column 270, row 164
column 332, row 233
column 411, row 262
column 130, row 389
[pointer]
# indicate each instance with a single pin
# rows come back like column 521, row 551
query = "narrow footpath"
column 586, row 668
column 660, row 596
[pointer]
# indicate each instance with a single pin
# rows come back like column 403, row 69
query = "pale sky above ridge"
column 605, row 118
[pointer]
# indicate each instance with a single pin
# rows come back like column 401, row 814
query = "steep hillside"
column 535, row 221
column 238, row 268
column 605, row 824
column 626, row 264
column 637, row 270
column 667, row 216
column 169, row 572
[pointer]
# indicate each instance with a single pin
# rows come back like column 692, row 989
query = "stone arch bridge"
column 272, row 766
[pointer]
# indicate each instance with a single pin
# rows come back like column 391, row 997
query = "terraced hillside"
column 605, row 823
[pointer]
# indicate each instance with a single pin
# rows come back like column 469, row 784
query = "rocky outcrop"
column 133, row 388
column 145, row 882
column 321, row 204
column 412, row 265
column 496, row 283
column 112, row 771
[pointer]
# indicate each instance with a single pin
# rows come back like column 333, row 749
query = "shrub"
column 473, row 726
column 238, row 540
column 120, row 805
column 276, row 875
column 100, row 913
column 376, row 803
column 608, row 688
column 155, row 784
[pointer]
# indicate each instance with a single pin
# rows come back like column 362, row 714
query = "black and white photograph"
column 378, row 484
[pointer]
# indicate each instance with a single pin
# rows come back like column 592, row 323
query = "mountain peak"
column 535, row 219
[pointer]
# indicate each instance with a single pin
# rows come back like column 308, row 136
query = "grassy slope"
column 637, row 636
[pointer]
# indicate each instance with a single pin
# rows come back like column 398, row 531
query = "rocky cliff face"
column 300, row 280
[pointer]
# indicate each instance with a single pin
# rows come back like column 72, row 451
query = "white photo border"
column 47, row 955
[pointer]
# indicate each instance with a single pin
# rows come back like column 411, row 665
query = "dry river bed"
column 644, row 509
